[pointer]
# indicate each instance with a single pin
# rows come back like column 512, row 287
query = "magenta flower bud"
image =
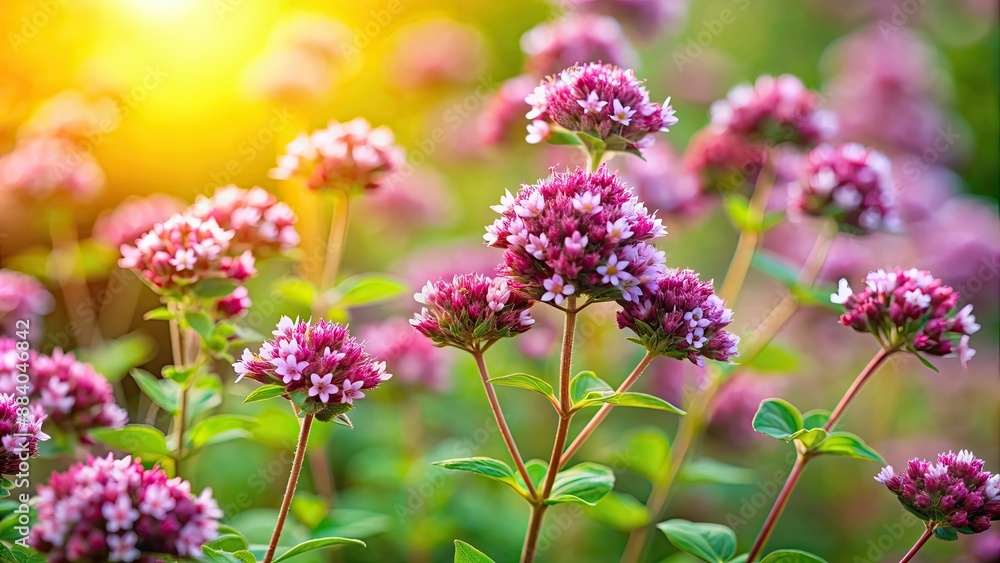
column 681, row 318
column 133, row 217
column 19, row 433
column 343, row 156
column 909, row 309
column 648, row 19
column 323, row 368
column 774, row 110
column 849, row 183
column 575, row 38
column 577, row 233
column 43, row 167
column 471, row 311
column 257, row 218
column 722, row 161
column 954, row 492
column 235, row 304
column 412, row 359
column 603, row 101
column 184, row 250
column 75, row 397
column 108, row 509
column 22, row 298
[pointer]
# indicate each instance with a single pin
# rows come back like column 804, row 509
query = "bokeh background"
column 190, row 95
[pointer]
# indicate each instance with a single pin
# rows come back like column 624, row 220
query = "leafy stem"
column 293, row 478
column 179, row 349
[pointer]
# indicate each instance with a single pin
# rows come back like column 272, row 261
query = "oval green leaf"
column 163, row 392
column 526, row 381
column 585, row 483
column 792, row 556
column 265, row 392
column 134, row 439
column 709, row 542
column 847, row 445
column 485, row 466
column 312, row 545
column 465, row 553
column 778, row 419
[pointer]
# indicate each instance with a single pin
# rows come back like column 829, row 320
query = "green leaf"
column 791, row 556
column 775, row 267
column 774, row 358
column 927, row 363
column 296, row 290
column 265, row 392
column 816, row 296
column 815, row 418
column 737, row 207
column 367, row 289
column 228, row 543
column 135, row 439
column 210, row 430
column 585, row 383
column 181, row 376
column 536, row 469
column 485, row 466
column 619, row 511
column 465, row 553
column 647, row 452
column 560, row 136
column 847, row 445
column 214, row 288
column 159, row 314
column 221, row 556
column 709, row 542
column 201, row 323
column 772, row 220
column 946, row 533
column 205, row 394
column 709, row 471
column 19, row 554
column 311, row 545
column 778, row 419
column 591, row 142
column 526, row 381
column 810, row 438
column 639, row 400
column 5, row 487
column 114, row 358
column 585, row 483
column 163, row 392
column 913, row 511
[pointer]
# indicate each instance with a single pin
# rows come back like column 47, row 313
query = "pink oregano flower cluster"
column 184, row 250
column 258, row 219
column 909, row 309
column 953, row 492
column 111, row 509
column 578, row 233
column 850, row 183
column 20, row 432
column 471, row 311
column 343, row 156
column 413, row 359
column 320, row 364
column 575, row 38
column 601, row 100
column 775, row 110
column 44, row 167
column 681, row 317
column 75, row 397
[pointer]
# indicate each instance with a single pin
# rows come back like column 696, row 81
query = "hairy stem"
column 293, row 479
column 779, row 506
column 562, row 431
column 605, row 409
column 508, row 438
column 928, row 532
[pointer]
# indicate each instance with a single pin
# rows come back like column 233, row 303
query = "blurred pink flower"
column 662, row 182
column 440, row 261
column 72, row 115
column 502, row 119
column 723, row 162
column 646, row 18
column 259, row 220
column 22, row 298
column 405, row 201
column 962, row 241
column 412, row 359
column 737, row 403
column 133, row 217
column 575, row 39
column 45, row 167
column 434, row 52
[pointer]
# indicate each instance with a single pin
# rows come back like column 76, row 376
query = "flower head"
column 850, row 183
column 471, row 311
column 647, row 19
column 75, row 397
column 108, row 509
column 569, row 230
column 776, row 110
column 22, row 298
column 909, row 309
column 954, row 492
column 575, row 38
column 235, row 304
column 681, row 318
column 502, row 118
column 43, row 167
column 19, row 432
column 133, row 217
column 603, row 101
column 257, row 218
column 320, row 364
column 722, row 161
column 342, row 156
column 412, row 359
column 184, row 250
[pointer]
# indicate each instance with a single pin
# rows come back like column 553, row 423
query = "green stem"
column 334, row 249
column 293, row 479
column 749, row 237
column 178, row 350
column 562, row 432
